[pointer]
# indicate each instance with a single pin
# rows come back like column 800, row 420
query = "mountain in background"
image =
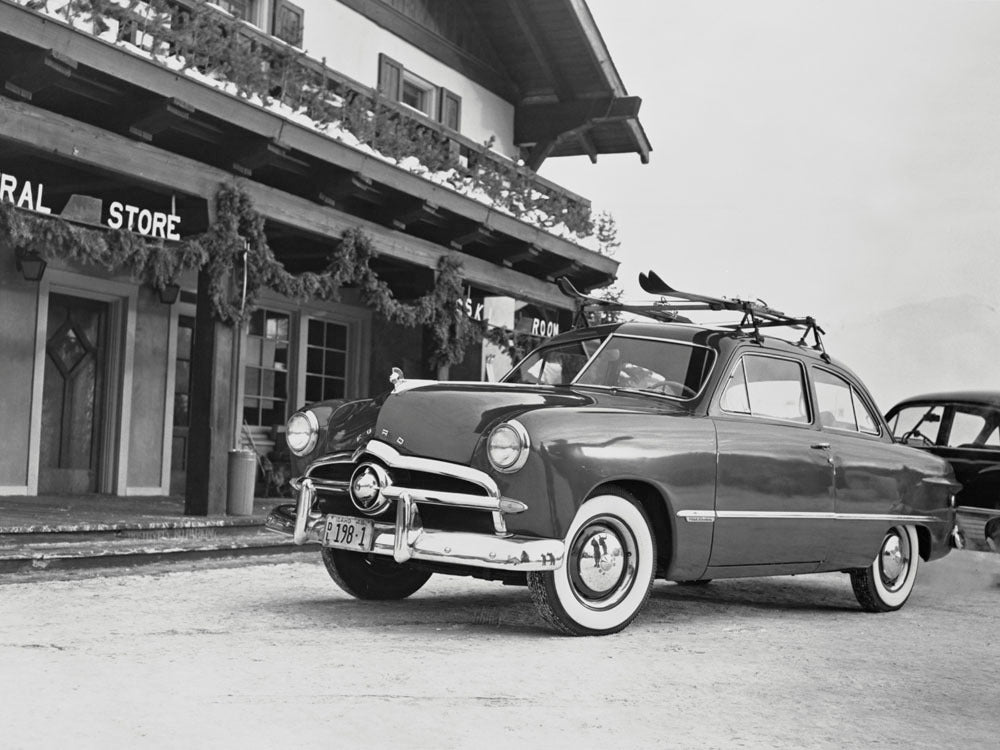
column 945, row 344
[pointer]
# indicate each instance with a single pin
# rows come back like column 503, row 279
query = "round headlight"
column 301, row 432
column 507, row 447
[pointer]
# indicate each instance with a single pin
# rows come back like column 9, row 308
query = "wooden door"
column 73, row 396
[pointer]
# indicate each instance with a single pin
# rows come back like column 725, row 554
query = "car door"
column 866, row 464
column 774, row 492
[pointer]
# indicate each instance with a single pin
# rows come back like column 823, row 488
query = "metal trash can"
column 241, row 475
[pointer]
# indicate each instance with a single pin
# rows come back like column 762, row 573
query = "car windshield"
column 666, row 368
column 557, row 364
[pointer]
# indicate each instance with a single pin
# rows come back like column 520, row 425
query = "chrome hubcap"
column 603, row 563
column 894, row 561
column 601, row 560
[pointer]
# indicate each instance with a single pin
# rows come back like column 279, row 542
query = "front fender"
column 572, row 454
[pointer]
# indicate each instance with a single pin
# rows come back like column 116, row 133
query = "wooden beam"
column 46, row 69
column 422, row 211
column 479, row 235
column 134, row 161
column 523, row 16
column 172, row 114
column 259, row 154
column 347, row 186
column 540, row 121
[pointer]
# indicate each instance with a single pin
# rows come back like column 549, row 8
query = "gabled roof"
column 547, row 57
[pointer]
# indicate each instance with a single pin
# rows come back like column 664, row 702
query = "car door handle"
column 820, row 446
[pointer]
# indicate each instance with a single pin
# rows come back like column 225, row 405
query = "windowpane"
column 316, row 332
column 335, row 388
column 975, row 427
column 918, row 423
column 267, row 349
column 334, row 363
column 734, row 397
column 866, row 421
column 314, row 389
column 776, row 388
column 835, row 402
column 336, row 336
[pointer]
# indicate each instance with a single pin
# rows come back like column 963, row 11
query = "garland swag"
column 235, row 238
column 117, row 250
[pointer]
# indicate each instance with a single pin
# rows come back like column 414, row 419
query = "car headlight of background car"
column 301, row 432
column 507, row 447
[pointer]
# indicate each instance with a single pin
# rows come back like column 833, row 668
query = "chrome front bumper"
column 406, row 539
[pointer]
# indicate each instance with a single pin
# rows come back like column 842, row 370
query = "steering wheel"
column 916, row 433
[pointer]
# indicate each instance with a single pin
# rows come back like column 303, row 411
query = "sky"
column 837, row 159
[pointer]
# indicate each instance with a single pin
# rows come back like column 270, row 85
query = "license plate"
column 345, row 532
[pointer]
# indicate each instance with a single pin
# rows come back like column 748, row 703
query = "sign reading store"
column 30, row 195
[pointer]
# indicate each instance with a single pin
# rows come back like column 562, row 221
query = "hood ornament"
column 400, row 383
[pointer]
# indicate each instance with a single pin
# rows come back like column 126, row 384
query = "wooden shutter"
column 390, row 78
column 449, row 109
column 288, row 22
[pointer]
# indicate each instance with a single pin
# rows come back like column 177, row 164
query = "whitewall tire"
column 608, row 569
column 886, row 584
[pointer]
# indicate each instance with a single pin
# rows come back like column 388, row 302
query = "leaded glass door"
column 73, row 395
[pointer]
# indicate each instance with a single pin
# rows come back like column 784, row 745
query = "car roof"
column 720, row 338
column 991, row 398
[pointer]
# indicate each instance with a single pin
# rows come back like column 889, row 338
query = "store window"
column 267, row 346
column 326, row 360
column 404, row 86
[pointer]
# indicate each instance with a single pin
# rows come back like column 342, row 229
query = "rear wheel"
column 885, row 585
column 371, row 576
column 608, row 571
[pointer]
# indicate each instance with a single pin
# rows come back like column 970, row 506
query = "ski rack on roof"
column 660, row 311
column 756, row 314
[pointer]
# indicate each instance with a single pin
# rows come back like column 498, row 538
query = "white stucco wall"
column 351, row 45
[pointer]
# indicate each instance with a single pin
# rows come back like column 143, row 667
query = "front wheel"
column 885, row 585
column 370, row 576
column 608, row 571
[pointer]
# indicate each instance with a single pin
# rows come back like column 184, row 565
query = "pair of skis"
column 756, row 314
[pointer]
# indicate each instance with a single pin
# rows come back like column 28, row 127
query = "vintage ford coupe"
column 613, row 455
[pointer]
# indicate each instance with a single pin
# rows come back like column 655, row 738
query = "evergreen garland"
column 235, row 238
column 145, row 259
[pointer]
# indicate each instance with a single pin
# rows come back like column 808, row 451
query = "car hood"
column 447, row 420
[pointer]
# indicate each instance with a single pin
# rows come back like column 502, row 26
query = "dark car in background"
column 962, row 427
column 617, row 454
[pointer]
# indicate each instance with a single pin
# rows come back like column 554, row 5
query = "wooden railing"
column 263, row 68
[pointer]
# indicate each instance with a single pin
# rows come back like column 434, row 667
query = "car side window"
column 974, row 427
column 918, row 424
column 762, row 386
column 840, row 405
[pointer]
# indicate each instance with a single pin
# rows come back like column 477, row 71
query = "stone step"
column 26, row 552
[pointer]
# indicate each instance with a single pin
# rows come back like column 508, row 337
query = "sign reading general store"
column 157, row 224
column 22, row 193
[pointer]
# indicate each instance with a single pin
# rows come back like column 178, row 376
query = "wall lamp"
column 169, row 293
column 30, row 264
